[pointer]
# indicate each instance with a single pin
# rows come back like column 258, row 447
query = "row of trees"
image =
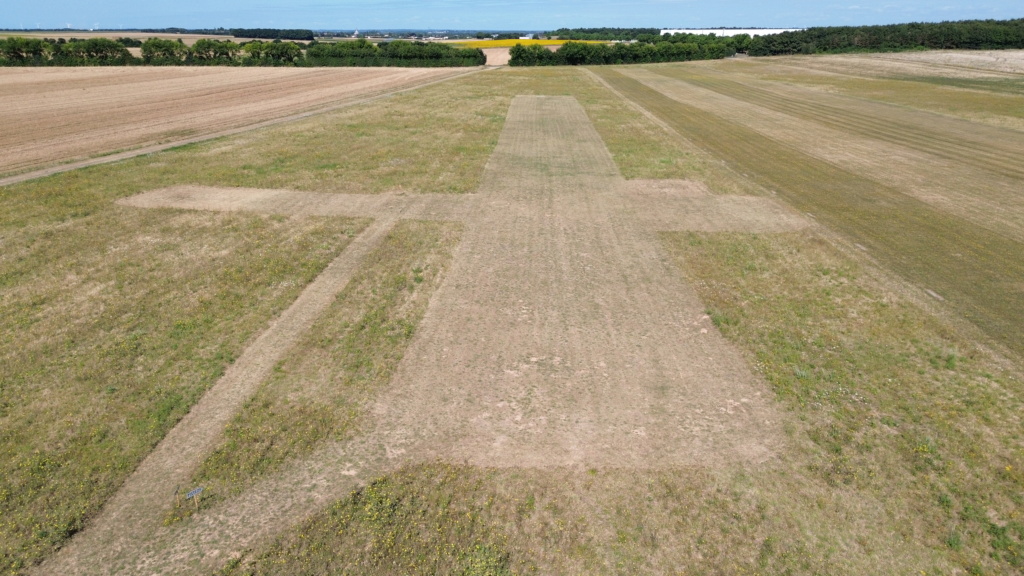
column 395, row 53
column 678, row 48
column 963, row 35
column 606, row 34
column 163, row 52
column 272, row 34
column 38, row 52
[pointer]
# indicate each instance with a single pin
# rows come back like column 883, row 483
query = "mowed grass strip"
column 115, row 323
column 899, row 406
column 319, row 392
column 996, row 150
column 976, row 270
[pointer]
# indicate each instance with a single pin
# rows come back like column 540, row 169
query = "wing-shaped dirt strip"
column 562, row 336
column 658, row 205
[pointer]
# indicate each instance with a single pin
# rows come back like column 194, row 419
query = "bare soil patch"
column 298, row 203
column 59, row 114
column 497, row 56
column 686, row 205
column 501, row 56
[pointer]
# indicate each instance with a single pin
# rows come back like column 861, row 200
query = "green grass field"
column 904, row 441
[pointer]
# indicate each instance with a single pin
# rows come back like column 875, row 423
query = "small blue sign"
column 193, row 493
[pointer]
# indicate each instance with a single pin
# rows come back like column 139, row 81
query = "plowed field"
column 53, row 115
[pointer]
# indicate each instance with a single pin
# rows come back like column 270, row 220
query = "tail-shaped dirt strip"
column 563, row 336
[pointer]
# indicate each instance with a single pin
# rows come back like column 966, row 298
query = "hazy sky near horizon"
column 492, row 14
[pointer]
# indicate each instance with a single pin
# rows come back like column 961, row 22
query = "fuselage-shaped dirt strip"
column 562, row 336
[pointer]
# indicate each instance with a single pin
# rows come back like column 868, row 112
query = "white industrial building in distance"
column 721, row 32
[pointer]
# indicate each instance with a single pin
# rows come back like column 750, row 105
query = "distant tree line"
column 17, row 51
column 607, row 34
column 45, row 52
column 962, row 35
column 272, row 34
column 204, row 31
column 395, row 53
column 676, row 48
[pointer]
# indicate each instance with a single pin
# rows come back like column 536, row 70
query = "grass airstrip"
column 887, row 332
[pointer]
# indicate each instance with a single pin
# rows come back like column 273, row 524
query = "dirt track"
column 55, row 115
column 563, row 336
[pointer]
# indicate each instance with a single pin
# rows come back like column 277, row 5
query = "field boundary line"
column 154, row 148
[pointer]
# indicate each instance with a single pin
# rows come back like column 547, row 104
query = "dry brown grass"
column 900, row 445
column 320, row 394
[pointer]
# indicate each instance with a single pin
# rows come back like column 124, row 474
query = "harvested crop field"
column 745, row 316
column 53, row 115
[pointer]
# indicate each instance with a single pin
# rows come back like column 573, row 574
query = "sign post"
column 194, row 496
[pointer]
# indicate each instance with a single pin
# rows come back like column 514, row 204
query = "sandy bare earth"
column 562, row 336
column 54, row 115
column 497, row 56
column 501, row 56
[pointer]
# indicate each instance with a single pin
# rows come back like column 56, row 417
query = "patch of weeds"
column 721, row 319
column 950, row 414
column 422, row 520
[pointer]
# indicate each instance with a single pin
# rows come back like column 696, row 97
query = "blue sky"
column 491, row 14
